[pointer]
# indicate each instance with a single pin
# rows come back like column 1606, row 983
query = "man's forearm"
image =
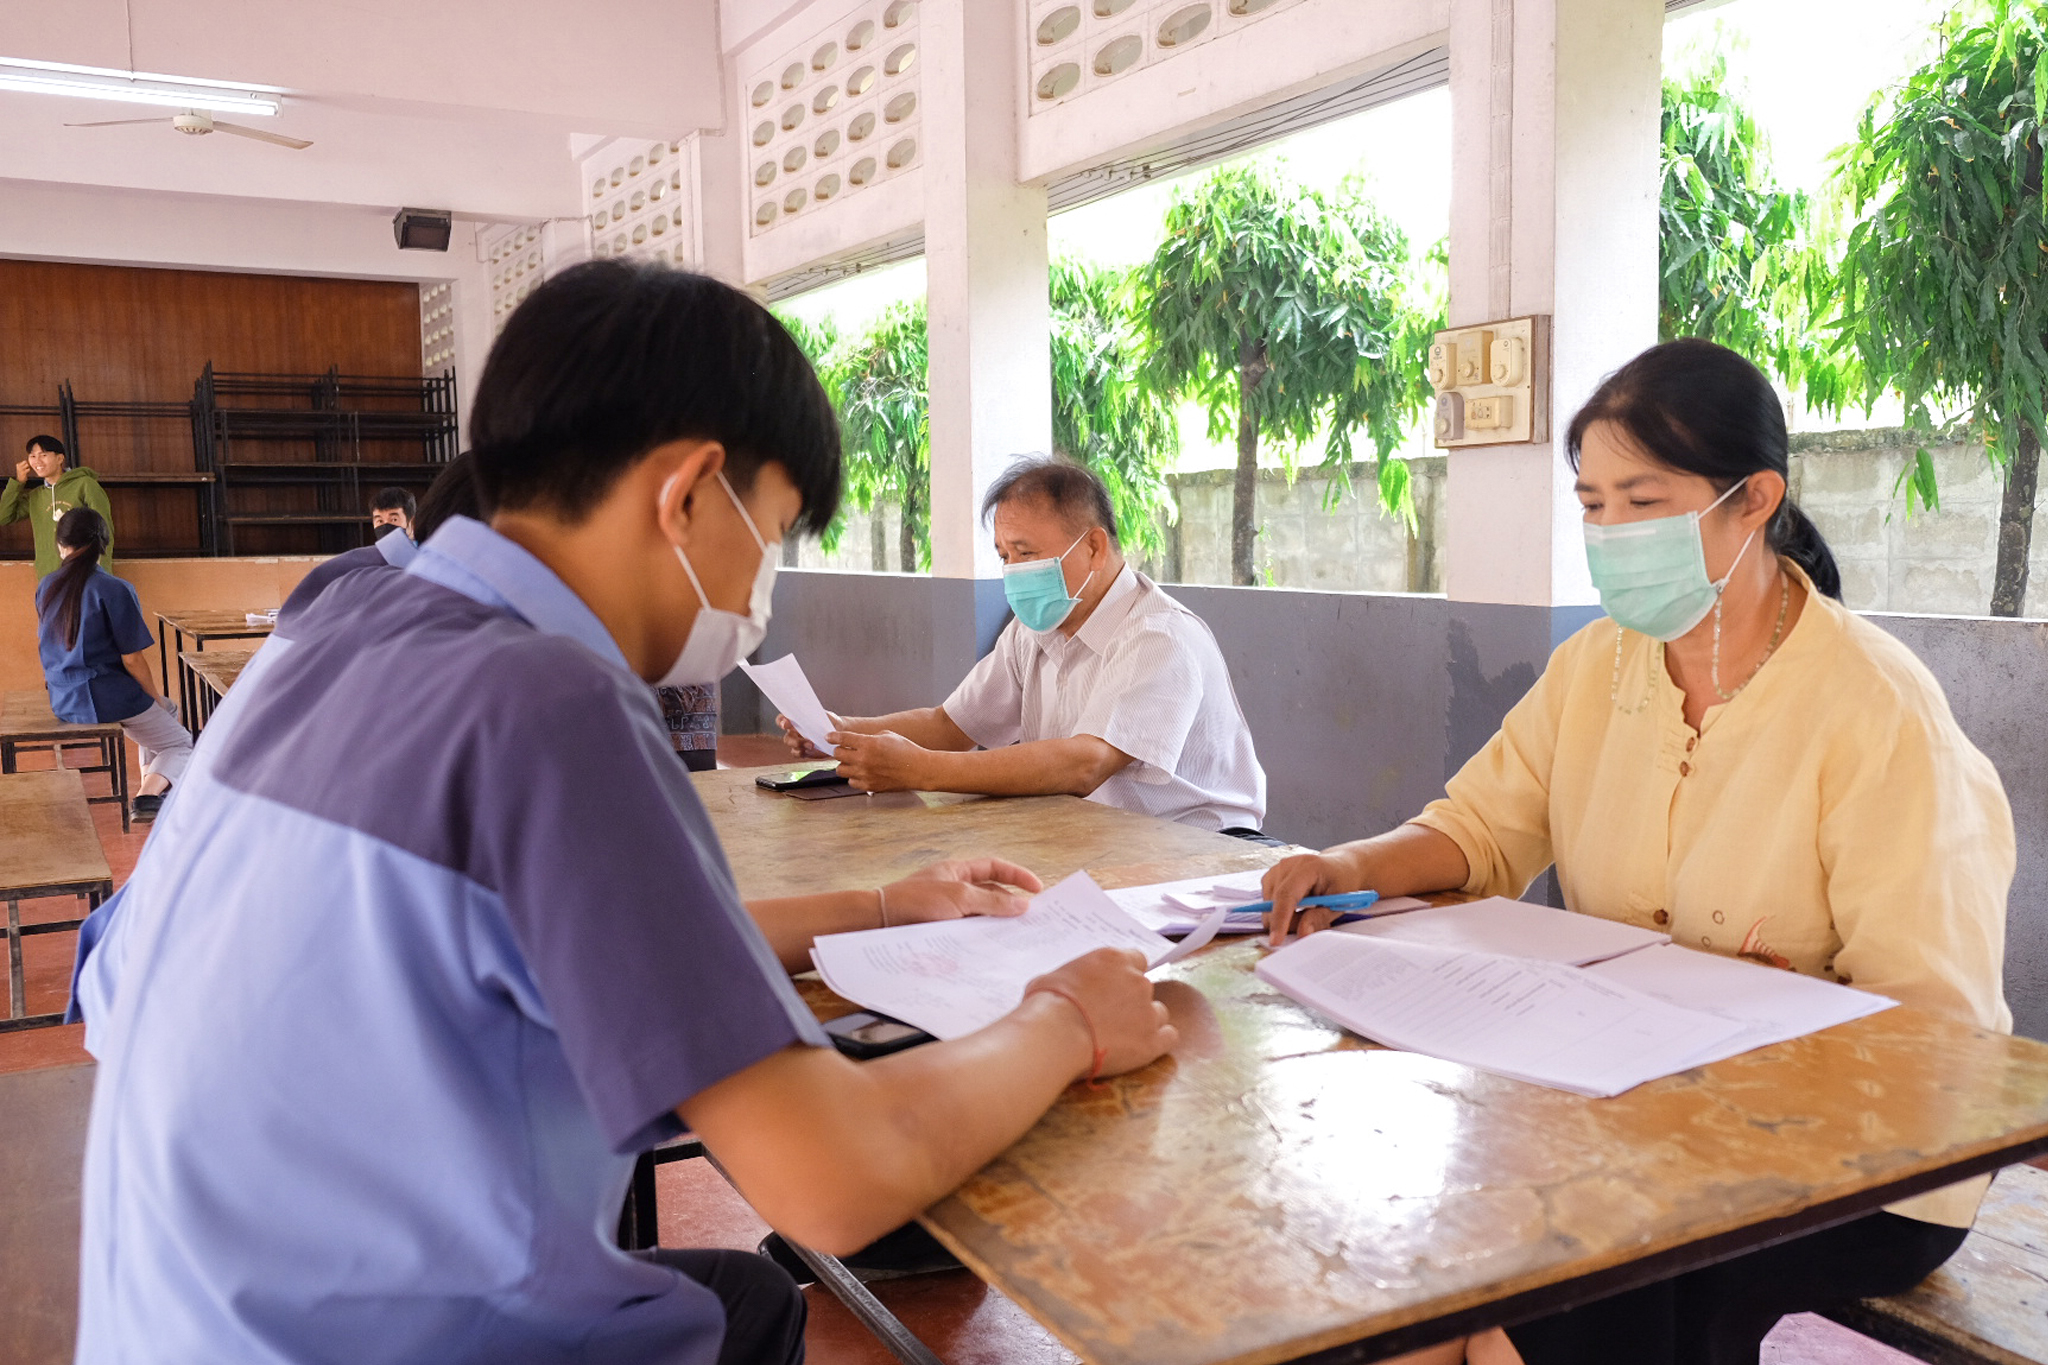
column 792, row 923
column 13, row 501
column 1044, row 767
column 928, row 728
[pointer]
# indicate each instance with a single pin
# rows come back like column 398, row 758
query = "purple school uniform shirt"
column 404, row 979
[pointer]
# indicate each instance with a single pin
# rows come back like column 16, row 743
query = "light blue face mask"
column 1652, row 575
column 1037, row 591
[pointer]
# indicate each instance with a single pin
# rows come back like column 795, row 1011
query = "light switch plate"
column 1492, row 383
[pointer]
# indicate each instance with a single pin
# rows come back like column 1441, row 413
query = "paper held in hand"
column 952, row 977
column 1647, row 1010
column 783, row 683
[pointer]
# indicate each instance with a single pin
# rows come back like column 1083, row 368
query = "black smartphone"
column 827, row 776
column 866, row 1036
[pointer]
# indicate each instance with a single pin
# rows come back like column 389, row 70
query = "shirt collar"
column 1111, row 612
column 397, row 549
column 468, row 557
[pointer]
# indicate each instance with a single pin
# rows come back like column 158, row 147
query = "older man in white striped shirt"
column 1102, row 687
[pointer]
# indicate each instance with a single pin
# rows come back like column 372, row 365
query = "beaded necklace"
column 1655, row 667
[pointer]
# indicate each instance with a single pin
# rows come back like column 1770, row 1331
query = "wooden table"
column 1280, row 1190
column 48, row 847
column 26, row 722
column 782, row 846
column 212, row 675
column 201, row 626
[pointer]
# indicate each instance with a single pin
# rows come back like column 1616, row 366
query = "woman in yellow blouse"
column 1734, row 758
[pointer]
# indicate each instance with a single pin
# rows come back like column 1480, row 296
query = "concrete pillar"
column 1555, row 108
column 985, row 271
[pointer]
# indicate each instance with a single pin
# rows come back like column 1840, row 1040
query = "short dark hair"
column 397, row 498
column 451, row 494
column 1075, row 493
column 610, row 359
column 50, row 444
column 1699, row 408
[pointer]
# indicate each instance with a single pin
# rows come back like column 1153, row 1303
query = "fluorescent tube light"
column 169, row 92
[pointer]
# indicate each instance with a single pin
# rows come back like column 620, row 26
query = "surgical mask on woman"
column 1037, row 592
column 719, row 639
column 1652, row 575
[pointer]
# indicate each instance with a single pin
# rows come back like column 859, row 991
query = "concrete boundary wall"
column 1363, row 704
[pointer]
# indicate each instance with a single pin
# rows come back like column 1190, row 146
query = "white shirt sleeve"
column 988, row 705
column 1149, row 697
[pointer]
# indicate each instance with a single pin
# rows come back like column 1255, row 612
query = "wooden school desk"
column 211, row 674
column 26, row 722
column 48, row 847
column 1279, row 1190
column 172, row 630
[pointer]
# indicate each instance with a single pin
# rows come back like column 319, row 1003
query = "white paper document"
column 1771, row 1005
column 955, row 976
column 1543, row 1022
column 1514, row 929
column 1179, row 907
column 783, row 683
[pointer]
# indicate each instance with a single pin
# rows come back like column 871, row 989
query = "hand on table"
column 955, row 890
column 879, row 763
column 798, row 746
column 1111, row 998
column 1290, row 879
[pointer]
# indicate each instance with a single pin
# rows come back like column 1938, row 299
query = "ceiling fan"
column 198, row 123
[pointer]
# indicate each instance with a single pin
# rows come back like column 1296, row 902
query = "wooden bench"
column 1989, row 1304
column 26, row 722
column 48, row 847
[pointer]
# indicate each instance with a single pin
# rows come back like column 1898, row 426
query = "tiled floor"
column 961, row 1319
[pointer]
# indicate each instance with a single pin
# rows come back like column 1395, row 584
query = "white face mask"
column 719, row 639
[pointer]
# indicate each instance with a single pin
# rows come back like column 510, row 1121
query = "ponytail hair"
column 1700, row 408
column 83, row 532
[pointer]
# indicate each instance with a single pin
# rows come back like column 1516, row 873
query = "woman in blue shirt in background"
column 95, row 651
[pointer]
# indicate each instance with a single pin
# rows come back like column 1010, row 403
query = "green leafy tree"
column 1728, row 236
column 1282, row 314
column 1941, row 288
column 1104, row 414
column 879, row 381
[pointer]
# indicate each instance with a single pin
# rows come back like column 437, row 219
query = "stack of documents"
column 1506, row 988
column 952, row 977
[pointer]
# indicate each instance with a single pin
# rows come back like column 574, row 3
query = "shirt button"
column 1692, row 743
column 1719, row 918
column 1662, row 917
column 1685, row 770
column 1706, row 942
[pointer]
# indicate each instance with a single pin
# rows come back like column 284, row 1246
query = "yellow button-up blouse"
column 1832, row 818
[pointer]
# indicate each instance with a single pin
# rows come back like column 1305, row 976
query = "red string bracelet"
column 1094, row 1040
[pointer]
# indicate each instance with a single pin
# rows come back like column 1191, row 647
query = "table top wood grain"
column 214, row 625
column 1279, row 1187
column 46, row 833
column 781, row 845
column 26, row 715
column 217, row 668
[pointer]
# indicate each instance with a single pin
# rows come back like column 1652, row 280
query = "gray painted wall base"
column 1364, row 704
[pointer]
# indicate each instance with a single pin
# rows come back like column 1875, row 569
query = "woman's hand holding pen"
column 1305, row 874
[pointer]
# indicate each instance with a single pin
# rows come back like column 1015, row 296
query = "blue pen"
column 1352, row 901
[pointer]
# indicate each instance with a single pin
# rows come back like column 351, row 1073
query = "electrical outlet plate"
column 1492, row 383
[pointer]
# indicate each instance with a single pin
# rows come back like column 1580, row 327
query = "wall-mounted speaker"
column 423, row 229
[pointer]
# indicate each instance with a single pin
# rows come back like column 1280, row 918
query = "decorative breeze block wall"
column 437, row 327
column 1079, row 46
column 641, row 201
column 833, row 116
